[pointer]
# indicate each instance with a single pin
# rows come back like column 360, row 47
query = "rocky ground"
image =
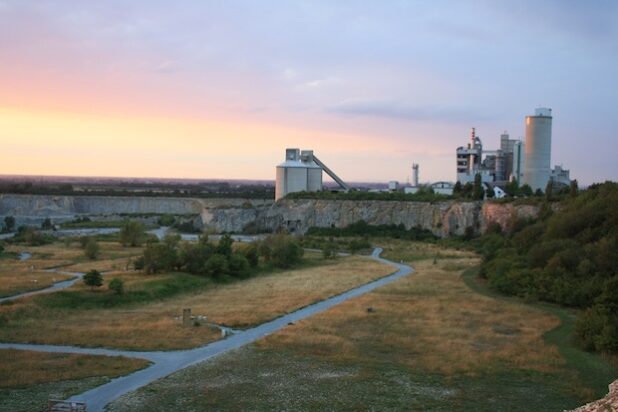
column 607, row 404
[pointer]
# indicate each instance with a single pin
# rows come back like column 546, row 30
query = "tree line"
column 569, row 255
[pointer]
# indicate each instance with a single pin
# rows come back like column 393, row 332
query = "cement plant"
column 526, row 162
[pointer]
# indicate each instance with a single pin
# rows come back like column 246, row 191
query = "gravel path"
column 166, row 363
column 56, row 286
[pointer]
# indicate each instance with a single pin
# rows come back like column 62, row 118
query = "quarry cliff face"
column 444, row 219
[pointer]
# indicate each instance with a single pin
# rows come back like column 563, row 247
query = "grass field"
column 147, row 315
column 27, row 378
column 430, row 342
column 22, row 276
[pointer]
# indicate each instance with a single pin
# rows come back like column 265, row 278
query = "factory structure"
column 527, row 162
column 302, row 172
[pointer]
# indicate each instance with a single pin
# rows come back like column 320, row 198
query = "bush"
column 216, row 265
column 132, row 233
column 94, row 279
column 160, row 257
column 166, row 220
column 91, row 249
column 9, row 223
column 252, row 255
column 238, row 265
column 283, row 251
column 116, row 285
column 357, row 245
column 329, row 251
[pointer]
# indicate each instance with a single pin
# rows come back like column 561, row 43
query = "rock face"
column 607, row 404
column 235, row 215
column 442, row 218
column 33, row 209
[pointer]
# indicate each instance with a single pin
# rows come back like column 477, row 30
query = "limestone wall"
column 233, row 215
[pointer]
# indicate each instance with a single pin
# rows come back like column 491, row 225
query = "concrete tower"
column 415, row 174
column 537, row 149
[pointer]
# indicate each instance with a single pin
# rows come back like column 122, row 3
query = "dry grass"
column 156, row 325
column 23, row 276
column 22, row 279
column 429, row 321
column 413, row 251
column 24, row 368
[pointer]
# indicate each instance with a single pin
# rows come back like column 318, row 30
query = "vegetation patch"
column 568, row 256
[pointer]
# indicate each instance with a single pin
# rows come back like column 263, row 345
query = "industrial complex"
column 528, row 162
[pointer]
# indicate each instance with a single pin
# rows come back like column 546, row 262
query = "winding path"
column 166, row 363
column 54, row 287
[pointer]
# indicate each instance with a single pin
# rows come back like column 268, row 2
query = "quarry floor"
column 168, row 362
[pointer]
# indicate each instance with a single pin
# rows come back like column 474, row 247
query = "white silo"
column 299, row 173
column 537, row 149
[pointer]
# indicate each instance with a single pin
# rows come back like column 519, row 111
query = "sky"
column 219, row 89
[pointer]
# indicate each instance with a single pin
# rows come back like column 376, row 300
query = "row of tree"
column 218, row 259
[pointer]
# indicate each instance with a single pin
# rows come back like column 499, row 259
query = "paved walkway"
column 166, row 363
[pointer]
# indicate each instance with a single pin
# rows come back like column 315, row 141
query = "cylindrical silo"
column 537, row 149
column 299, row 173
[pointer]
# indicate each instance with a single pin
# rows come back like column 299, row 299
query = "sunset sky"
column 219, row 89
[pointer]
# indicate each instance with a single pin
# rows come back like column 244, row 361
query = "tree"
column 549, row 190
column 526, row 190
column 252, row 255
column 224, row 247
column 457, row 189
column 477, row 189
column 573, row 188
column 466, row 192
column 91, row 249
column 160, row 257
column 330, row 250
column 489, row 192
column 47, row 224
column 94, row 279
column 117, row 286
column 9, row 223
column 238, row 265
column 132, row 233
column 216, row 265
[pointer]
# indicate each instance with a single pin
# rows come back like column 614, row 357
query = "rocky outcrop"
column 444, row 219
column 607, row 404
column 33, row 209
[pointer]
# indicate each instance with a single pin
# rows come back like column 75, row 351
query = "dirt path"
column 166, row 363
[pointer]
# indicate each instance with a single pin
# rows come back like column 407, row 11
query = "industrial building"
column 526, row 162
column 302, row 172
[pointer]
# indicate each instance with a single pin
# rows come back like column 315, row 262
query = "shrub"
column 238, row 265
column 116, row 285
column 252, row 255
column 159, row 257
column 166, row 220
column 281, row 250
column 216, row 265
column 132, row 233
column 91, row 249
